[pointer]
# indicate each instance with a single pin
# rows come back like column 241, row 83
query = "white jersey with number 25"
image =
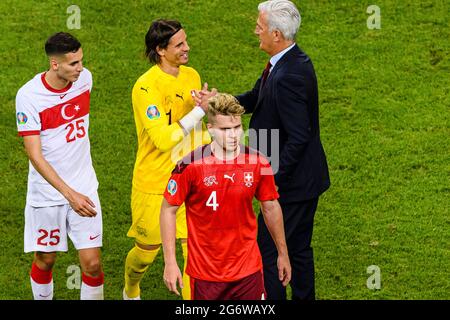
column 61, row 118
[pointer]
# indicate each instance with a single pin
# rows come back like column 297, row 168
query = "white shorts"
column 46, row 228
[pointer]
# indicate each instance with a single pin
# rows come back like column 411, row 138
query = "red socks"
column 40, row 276
column 93, row 282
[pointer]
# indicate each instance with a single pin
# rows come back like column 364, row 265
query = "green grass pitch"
column 385, row 126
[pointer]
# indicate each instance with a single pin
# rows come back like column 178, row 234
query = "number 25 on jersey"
column 75, row 130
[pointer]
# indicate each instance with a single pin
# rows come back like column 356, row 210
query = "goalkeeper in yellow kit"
column 168, row 127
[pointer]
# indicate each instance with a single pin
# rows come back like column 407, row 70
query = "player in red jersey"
column 62, row 200
column 218, row 182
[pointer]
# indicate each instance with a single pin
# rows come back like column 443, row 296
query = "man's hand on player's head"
column 81, row 204
column 172, row 275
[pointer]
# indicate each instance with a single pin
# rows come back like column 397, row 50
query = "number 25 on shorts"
column 53, row 236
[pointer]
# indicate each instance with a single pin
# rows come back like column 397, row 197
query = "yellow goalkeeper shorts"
column 145, row 211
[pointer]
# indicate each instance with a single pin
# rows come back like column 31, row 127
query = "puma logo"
column 145, row 89
column 229, row 177
column 178, row 96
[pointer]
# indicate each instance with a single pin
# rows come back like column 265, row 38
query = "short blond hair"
column 224, row 104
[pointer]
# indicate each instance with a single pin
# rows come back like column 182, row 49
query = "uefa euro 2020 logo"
column 21, row 118
column 172, row 187
column 153, row 112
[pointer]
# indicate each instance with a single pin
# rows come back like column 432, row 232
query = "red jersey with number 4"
column 221, row 223
column 61, row 118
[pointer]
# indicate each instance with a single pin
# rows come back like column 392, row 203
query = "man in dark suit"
column 284, row 102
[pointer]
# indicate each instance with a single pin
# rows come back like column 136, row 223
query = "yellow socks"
column 186, row 292
column 137, row 262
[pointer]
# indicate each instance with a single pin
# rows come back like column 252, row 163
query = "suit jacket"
column 288, row 101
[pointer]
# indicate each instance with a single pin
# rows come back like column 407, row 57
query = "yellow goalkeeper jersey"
column 160, row 100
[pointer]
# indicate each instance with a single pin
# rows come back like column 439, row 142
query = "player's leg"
column 182, row 235
column 92, row 274
column 44, row 234
column 145, row 210
column 137, row 262
column 86, row 234
column 41, row 276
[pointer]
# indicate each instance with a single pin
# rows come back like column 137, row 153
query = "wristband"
column 189, row 121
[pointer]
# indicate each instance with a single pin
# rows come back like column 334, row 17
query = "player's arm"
column 148, row 107
column 175, row 194
column 165, row 135
column 273, row 218
column 172, row 272
column 79, row 202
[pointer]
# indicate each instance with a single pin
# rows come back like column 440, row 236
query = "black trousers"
column 298, row 220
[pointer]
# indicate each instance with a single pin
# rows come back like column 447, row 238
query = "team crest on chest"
column 248, row 179
column 209, row 181
column 153, row 112
column 69, row 111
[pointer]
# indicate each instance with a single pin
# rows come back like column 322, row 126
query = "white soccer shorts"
column 46, row 228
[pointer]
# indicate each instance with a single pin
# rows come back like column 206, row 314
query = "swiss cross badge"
column 209, row 181
column 248, row 179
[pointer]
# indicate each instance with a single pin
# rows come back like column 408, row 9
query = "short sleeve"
column 178, row 186
column 27, row 118
column 266, row 189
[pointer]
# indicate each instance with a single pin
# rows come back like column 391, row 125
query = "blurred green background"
column 385, row 126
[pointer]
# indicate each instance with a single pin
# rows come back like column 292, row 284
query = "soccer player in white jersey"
column 53, row 119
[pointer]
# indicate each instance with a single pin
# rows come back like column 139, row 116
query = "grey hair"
column 282, row 15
